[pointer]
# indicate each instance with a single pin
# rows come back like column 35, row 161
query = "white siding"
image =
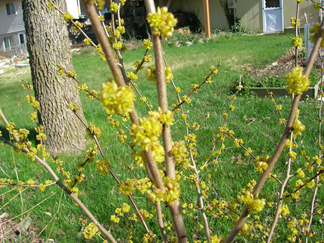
column 73, row 7
column 12, row 23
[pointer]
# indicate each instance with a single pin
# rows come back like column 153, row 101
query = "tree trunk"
column 47, row 41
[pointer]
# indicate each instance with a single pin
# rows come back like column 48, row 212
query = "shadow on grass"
column 31, row 136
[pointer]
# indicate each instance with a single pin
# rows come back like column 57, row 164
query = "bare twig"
column 319, row 154
column 282, row 190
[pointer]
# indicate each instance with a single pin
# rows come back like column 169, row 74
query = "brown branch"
column 175, row 209
column 91, row 12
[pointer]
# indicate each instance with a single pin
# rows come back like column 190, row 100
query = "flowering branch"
column 59, row 183
column 281, row 145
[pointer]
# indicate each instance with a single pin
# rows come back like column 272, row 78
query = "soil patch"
column 282, row 66
column 11, row 231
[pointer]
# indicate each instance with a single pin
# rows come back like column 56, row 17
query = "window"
column 11, row 8
column 8, row 42
column 21, row 38
column 272, row 3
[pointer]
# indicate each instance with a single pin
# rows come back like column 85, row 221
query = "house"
column 12, row 28
column 258, row 15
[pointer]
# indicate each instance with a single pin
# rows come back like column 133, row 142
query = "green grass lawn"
column 254, row 119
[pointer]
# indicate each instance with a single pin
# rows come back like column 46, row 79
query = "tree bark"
column 47, row 41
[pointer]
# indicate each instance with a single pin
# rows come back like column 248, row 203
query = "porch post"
column 207, row 19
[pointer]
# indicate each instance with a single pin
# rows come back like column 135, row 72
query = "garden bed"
column 261, row 81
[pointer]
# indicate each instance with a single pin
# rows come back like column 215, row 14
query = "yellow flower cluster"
column 77, row 25
column 253, row 204
column 147, row 44
column 149, row 237
column 147, row 133
column 292, row 155
column 114, row 7
column 297, row 83
column 317, row 160
column 101, row 18
column 31, row 100
column 68, row 16
column 246, row 228
column 314, row 31
column 94, row 130
column 186, row 99
column 102, row 166
column 171, row 193
column 284, row 210
column 147, row 58
column 91, row 154
column 317, row 6
column 150, row 73
column 42, row 187
column 121, row 136
column 167, row 118
column 168, row 74
column 119, row 213
column 162, row 22
column 248, row 152
column 90, row 231
column 127, row 187
column 298, row 127
column 82, row 87
column 195, row 86
column 300, row 173
column 100, row 4
column 238, row 142
column 118, row 100
column 293, row 21
column 172, row 189
column 87, row 41
column 192, row 142
column 261, row 164
column 309, row 183
column 131, row 76
column 139, row 158
column 118, row 45
column 73, row 107
column 114, row 219
column 50, row 6
column 216, row 239
column 142, row 185
column 296, row 42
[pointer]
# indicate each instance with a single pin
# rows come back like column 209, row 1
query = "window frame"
column 9, row 7
column 9, row 42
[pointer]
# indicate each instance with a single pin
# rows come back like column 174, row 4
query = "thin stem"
column 200, row 197
column 319, row 155
column 282, row 190
column 160, row 222
column 296, row 34
column 175, row 209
